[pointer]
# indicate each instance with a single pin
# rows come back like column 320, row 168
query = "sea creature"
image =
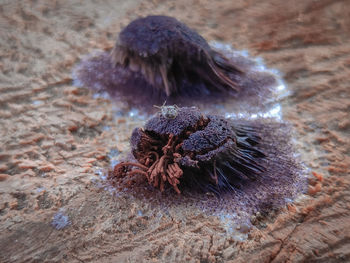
column 195, row 151
column 172, row 57
column 169, row 112
column 158, row 58
column 233, row 167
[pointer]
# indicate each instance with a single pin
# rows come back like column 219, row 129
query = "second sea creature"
column 158, row 58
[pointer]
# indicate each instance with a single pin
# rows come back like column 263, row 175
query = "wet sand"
column 57, row 139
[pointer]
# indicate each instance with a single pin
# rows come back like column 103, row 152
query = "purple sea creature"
column 158, row 58
column 248, row 164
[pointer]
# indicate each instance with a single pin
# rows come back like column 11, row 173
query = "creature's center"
column 159, row 158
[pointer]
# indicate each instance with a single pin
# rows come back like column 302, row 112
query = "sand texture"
column 57, row 140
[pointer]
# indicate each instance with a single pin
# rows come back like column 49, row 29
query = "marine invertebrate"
column 169, row 112
column 168, row 53
column 157, row 58
column 202, row 153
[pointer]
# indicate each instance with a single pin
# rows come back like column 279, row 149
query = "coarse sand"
column 57, row 140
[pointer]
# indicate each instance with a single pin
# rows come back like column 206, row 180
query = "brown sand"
column 54, row 135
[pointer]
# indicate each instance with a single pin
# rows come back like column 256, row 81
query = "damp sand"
column 57, row 140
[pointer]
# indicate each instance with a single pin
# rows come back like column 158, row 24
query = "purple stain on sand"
column 38, row 102
column 113, row 157
column 60, row 221
column 40, row 189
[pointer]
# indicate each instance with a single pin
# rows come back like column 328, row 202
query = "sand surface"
column 57, row 139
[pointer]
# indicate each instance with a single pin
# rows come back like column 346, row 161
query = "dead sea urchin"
column 169, row 54
column 157, row 58
column 193, row 152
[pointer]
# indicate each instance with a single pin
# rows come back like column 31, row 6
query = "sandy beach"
column 58, row 140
